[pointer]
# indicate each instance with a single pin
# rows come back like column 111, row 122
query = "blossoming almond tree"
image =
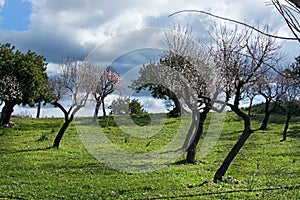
column 75, row 83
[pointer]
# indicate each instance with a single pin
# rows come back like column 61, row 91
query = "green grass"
column 264, row 168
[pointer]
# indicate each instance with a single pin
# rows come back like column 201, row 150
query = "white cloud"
column 53, row 69
column 72, row 27
column 2, row 3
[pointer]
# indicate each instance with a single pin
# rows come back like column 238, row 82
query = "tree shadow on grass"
column 27, row 150
column 180, row 162
column 294, row 132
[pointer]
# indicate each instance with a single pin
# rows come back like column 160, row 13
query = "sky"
column 58, row 29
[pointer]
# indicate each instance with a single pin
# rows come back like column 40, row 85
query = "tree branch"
column 235, row 21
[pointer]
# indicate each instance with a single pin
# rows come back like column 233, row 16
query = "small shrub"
column 43, row 138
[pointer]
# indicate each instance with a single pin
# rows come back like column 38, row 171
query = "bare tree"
column 290, row 98
column 271, row 89
column 76, row 84
column 242, row 59
column 107, row 81
column 194, row 62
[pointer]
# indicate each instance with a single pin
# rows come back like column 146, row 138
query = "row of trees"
column 78, row 81
column 246, row 64
column 240, row 64
column 23, row 80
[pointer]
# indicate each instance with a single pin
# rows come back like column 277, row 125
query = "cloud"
column 73, row 28
column 2, row 3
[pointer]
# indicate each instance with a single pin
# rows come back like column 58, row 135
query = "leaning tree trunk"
column 264, row 124
column 191, row 152
column 98, row 104
column 6, row 113
column 286, row 126
column 69, row 116
column 103, row 108
column 237, row 147
column 61, row 133
column 268, row 112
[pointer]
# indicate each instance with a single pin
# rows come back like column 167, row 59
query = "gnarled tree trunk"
column 191, row 151
column 237, row 147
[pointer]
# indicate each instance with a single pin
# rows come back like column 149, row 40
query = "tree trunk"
column 236, row 148
column 176, row 112
column 191, row 153
column 7, row 110
column 195, row 118
column 69, row 116
column 264, row 124
column 287, row 122
column 250, row 106
column 60, row 134
column 103, row 108
column 98, row 104
column 268, row 113
column 38, row 113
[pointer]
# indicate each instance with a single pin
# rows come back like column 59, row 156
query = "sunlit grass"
column 264, row 168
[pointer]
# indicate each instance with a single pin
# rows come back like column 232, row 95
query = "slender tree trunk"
column 7, row 110
column 191, row 152
column 250, row 106
column 38, row 113
column 103, row 108
column 264, row 124
column 236, row 148
column 98, row 104
column 268, row 112
column 69, row 116
column 61, row 133
column 286, row 126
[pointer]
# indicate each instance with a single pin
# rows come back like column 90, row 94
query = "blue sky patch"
column 15, row 15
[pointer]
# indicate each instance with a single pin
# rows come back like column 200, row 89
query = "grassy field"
column 29, row 169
